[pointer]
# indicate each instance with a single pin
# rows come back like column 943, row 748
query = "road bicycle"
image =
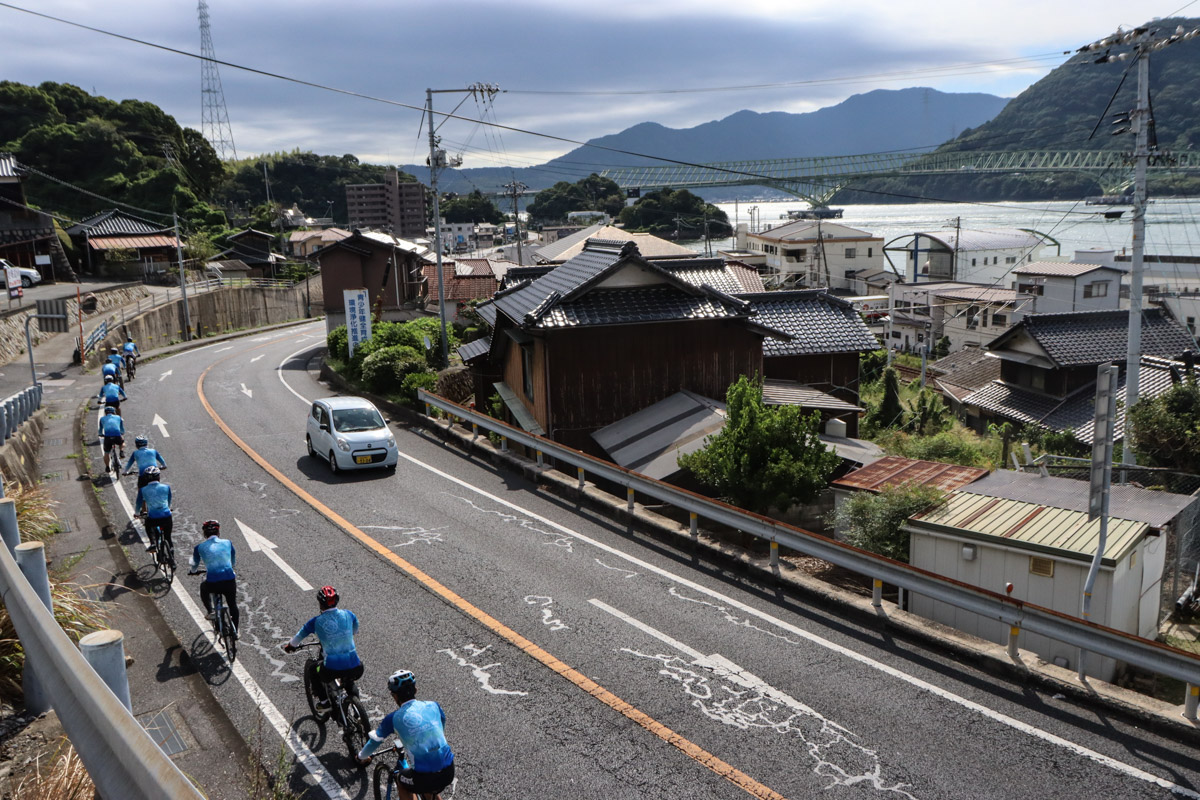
column 222, row 623
column 164, row 552
column 344, row 706
column 387, row 786
column 130, row 367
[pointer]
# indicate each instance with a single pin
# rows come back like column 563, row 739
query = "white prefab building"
column 966, row 255
column 813, row 254
column 1057, row 287
column 1045, row 552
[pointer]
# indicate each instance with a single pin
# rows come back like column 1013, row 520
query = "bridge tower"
column 214, row 116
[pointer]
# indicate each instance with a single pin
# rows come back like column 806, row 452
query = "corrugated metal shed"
column 1156, row 509
column 650, row 441
column 1030, row 526
column 1056, row 268
column 8, row 166
column 897, row 470
column 776, row 392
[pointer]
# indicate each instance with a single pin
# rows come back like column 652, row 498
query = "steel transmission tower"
column 214, row 117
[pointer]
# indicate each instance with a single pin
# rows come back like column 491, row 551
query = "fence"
column 121, row 758
column 1016, row 614
column 16, row 409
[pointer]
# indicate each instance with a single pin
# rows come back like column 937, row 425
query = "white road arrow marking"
column 165, row 374
column 247, row 392
column 223, row 349
column 257, row 357
column 161, row 424
column 261, row 544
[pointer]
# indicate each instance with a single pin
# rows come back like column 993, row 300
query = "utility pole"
column 187, row 317
column 437, row 161
column 514, row 190
column 1142, row 41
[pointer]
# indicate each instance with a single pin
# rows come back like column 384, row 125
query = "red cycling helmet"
column 327, row 597
column 211, row 528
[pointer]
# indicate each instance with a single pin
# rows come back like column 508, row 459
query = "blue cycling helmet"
column 140, row 441
column 402, row 682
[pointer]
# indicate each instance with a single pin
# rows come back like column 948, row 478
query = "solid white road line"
column 945, row 694
column 277, row 721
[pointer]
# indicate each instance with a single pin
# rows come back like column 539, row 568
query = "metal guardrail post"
column 105, row 652
column 1191, row 701
column 474, row 430
column 628, row 496
column 1013, row 633
column 582, row 480
column 31, row 558
column 694, row 524
column 877, row 593
column 503, row 444
column 775, row 557
column 539, row 459
column 3, row 423
column 8, row 524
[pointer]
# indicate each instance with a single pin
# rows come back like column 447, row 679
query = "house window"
column 1010, row 260
column 527, row 369
column 870, row 252
column 1097, row 289
column 972, row 317
column 851, row 252
column 895, row 334
column 1035, row 289
column 1041, row 566
column 972, row 262
column 999, row 320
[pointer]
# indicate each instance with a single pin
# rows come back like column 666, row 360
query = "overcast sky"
column 572, row 69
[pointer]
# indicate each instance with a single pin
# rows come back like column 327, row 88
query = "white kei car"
column 350, row 433
column 28, row 276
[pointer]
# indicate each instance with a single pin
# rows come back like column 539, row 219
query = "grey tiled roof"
column 560, row 281
column 817, row 322
column 1013, row 403
column 705, row 272
column 1083, row 338
column 488, row 312
column 642, row 304
column 475, row 349
column 112, row 222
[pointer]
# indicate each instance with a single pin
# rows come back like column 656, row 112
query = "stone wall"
column 19, row 455
column 12, row 323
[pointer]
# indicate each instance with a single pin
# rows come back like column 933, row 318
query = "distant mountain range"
column 880, row 120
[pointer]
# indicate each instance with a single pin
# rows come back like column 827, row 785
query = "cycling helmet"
column 152, row 473
column 327, row 597
column 140, row 441
column 210, row 528
column 129, row 338
column 112, row 349
column 108, row 378
column 402, row 682
column 109, row 410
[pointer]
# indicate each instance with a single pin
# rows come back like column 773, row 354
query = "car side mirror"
column 324, row 426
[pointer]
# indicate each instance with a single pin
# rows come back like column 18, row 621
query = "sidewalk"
column 170, row 697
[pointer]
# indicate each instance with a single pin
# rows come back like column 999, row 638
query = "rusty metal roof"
column 130, row 242
column 1030, row 526
column 897, row 471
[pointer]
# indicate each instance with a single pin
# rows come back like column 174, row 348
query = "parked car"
column 28, row 276
column 350, row 433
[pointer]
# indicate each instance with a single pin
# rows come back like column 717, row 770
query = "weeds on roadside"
column 35, row 511
column 268, row 782
column 63, row 779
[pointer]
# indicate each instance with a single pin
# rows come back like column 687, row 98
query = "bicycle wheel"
column 384, row 783
column 309, row 686
column 357, row 726
column 162, row 557
column 228, row 640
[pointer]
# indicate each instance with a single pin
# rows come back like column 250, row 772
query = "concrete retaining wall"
column 19, row 455
column 12, row 324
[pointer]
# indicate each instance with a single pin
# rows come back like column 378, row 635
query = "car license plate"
column 362, row 459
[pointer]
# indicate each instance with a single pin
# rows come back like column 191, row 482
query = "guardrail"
column 1018, row 615
column 17, row 408
column 120, row 757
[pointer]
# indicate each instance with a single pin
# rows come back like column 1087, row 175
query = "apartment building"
column 394, row 206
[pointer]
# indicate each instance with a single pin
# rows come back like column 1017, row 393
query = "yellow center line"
column 693, row 751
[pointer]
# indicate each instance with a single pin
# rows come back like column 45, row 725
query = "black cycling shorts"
column 425, row 782
column 113, row 441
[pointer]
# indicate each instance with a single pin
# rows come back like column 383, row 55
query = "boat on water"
column 820, row 212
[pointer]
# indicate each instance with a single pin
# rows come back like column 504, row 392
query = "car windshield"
column 349, row 420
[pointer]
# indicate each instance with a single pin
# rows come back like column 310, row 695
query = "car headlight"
column 391, row 441
column 343, row 445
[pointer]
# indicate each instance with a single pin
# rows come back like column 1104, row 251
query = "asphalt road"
column 573, row 658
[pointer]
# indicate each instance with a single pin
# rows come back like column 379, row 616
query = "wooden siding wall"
column 514, row 376
column 834, row 373
column 601, row 375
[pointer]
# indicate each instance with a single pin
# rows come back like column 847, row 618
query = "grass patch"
column 62, row 777
column 35, row 511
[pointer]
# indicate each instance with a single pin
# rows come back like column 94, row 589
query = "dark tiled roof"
column 959, row 374
column 1083, row 338
column 641, row 304
column 112, row 222
column 710, row 272
column 472, row 350
column 817, row 322
column 558, row 282
column 1013, row 403
column 488, row 312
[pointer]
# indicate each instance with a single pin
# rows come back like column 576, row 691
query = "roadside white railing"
column 17, row 408
column 120, row 757
column 1018, row 615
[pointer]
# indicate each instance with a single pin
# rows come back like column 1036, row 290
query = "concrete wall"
column 12, row 324
column 19, row 455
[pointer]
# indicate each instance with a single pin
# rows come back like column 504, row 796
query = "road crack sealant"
column 548, row 614
column 463, row 656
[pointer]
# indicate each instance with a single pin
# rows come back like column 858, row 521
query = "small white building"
column 813, row 254
column 1068, row 286
column 961, row 254
column 969, row 314
column 1034, row 533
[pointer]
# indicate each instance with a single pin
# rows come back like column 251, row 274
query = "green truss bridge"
column 817, row 180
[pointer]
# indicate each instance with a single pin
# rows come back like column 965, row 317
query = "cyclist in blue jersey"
column 420, row 727
column 335, row 628
column 154, row 500
column 111, row 430
column 131, row 354
column 219, row 557
column 108, row 370
column 114, row 358
column 111, row 394
column 145, row 457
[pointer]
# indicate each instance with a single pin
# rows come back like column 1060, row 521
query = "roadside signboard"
column 13, row 279
column 358, row 316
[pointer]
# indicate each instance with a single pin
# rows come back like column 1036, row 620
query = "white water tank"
column 836, row 427
column 1103, row 256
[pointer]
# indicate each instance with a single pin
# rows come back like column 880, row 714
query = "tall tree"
column 473, row 207
column 675, row 210
column 1166, row 429
column 766, row 456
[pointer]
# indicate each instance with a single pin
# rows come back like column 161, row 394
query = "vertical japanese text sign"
column 358, row 317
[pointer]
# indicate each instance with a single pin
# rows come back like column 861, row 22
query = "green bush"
column 385, row 368
column 416, row 380
column 874, row 521
column 338, row 342
column 956, row 446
